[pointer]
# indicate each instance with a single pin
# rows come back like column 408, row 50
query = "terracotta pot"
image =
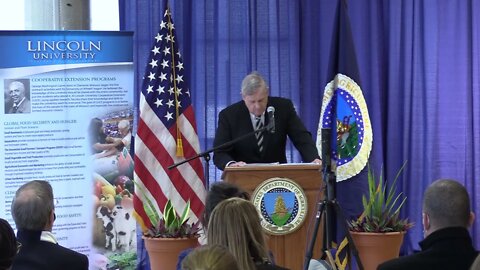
column 163, row 252
column 375, row 248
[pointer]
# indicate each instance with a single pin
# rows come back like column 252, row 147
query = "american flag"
column 166, row 133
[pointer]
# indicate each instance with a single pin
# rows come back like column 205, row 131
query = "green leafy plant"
column 381, row 209
column 170, row 224
column 124, row 261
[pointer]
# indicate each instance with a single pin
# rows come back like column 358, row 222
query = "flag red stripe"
column 149, row 182
column 158, row 151
column 190, row 151
column 188, row 113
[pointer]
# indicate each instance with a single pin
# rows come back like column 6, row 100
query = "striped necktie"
column 259, row 135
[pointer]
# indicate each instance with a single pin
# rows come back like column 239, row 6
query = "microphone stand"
column 206, row 154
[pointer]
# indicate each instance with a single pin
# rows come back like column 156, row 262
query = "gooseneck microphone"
column 271, row 118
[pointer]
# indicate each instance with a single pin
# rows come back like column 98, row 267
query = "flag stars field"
column 163, row 76
column 161, row 89
column 153, row 63
column 150, row 89
column 151, row 76
column 166, row 51
column 159, row 102
column 164, row 63
column 156, row 50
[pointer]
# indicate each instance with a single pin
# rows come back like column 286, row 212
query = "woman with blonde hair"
column 210, row 257
column 218, row 192
column 235, row 224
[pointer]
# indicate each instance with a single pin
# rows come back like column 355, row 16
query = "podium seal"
column 282, row 205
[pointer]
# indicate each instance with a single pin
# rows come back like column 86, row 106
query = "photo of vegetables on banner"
column 114, row 226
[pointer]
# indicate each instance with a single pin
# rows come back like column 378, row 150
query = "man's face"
column 257, row 102
column 17, row 92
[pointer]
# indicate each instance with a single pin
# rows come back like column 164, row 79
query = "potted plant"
column 169, row 235
column 378, row 232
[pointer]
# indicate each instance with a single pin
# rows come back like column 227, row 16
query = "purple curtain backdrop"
column 418, row 62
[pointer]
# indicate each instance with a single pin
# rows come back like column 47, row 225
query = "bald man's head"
column 32, row 206
column 447, row 204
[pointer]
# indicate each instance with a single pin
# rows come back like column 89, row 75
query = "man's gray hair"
column 447, row 203
column 252, row 83
column 18, row 84
column 33, row 205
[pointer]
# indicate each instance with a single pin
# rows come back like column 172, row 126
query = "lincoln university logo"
column 282, row 205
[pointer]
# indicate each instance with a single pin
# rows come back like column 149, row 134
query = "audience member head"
column 446, row 204
column 218, row 192
column 8, row 245
column 255, row 93
column 210, row 257
column 33, row 207
column 235, row 224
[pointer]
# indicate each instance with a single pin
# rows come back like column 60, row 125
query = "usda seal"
column 282, row 205
column 344, row 110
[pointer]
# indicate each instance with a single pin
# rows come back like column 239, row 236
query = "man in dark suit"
column 33, row 212
column 249, row 114
column 446, row 217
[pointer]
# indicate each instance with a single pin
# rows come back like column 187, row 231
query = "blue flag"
column 345, row 115
column 344, row 109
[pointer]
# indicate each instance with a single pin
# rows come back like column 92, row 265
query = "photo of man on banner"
column 17, row 96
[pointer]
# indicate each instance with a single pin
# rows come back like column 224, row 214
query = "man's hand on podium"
column 237, row 164
column 317, row 161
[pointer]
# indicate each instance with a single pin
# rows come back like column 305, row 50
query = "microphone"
column 271, row 118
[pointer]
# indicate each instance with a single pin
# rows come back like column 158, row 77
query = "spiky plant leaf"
column 185, row 213
column 381, row 207
column 171, row 225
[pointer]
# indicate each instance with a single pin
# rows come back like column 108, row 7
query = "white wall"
column 104, row 15
column 12, row 15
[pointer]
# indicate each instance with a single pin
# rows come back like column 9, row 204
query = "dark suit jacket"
column 41, row 255
column 234, row 121
column 449, row 248
column 24, row 107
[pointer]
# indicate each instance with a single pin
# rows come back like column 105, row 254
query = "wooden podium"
column 289, row 250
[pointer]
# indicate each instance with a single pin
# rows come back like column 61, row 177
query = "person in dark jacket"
column 8, row 245
column 251, row 114
column 34, row 213
column 446, row 218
